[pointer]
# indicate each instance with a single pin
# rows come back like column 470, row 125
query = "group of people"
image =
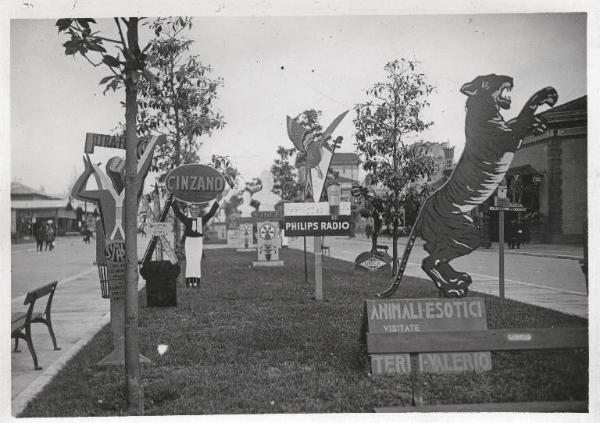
column 45, row 235
column 87, row 234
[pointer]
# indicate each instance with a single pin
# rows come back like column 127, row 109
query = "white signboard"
column 233, row 238
column 158, row 228
column 314, row 209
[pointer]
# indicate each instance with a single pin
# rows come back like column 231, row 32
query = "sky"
column 273, row 66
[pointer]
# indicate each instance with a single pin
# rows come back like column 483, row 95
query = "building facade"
column 548, row 176
column 30, row 208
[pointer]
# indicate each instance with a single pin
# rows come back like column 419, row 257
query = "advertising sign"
column 509, row 208
column 158, row 228
column 373, row 262
column 313, row 209
column 268, row 241
column 317, row 226
column 246, row 239
column 233, row 238
column 428, row 315
column 111, row 141
column 313, row 219
column 114, row 252
column 195, row 183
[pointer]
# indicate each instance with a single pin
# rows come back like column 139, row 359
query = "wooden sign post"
column 502, row 206
column 110, row 199
column 314, row 219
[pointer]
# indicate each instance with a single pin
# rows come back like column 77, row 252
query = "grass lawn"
column 254, row 341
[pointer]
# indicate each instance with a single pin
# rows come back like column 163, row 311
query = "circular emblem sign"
column 195, row 183
column 266, row 231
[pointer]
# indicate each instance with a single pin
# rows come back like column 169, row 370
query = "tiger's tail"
column 397, row 278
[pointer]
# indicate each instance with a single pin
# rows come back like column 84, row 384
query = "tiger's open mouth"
column 504, row 95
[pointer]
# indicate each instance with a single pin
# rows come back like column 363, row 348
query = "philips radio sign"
column 195, row 183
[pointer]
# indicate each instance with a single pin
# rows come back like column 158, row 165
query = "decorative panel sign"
column 114, row 252
column 195, row 183
column 233, row 238
column 246, row 239
column 428, row 315
column 159, row 228
column 373, row 262
column 268, row 241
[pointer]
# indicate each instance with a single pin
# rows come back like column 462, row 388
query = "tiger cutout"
column 444, row 221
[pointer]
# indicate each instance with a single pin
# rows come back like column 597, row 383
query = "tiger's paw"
column 449, row 281
column 547, row 95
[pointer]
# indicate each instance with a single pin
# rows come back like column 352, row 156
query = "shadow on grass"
column 254, row 341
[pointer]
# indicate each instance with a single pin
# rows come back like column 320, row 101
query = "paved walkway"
column 78, row 313
column 563, row 300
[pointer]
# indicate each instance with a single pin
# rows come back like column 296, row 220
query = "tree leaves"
column 63, row 24
column 384, row 124
column 111, row 61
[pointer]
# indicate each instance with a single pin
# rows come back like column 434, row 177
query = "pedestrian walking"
column 369, row 227
column 40, row 233
column 49, row 238
column 516, row 235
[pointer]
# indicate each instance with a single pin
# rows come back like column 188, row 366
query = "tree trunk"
column 395, row 246
column 177, row 226
column 132, row 182
column 374, row 242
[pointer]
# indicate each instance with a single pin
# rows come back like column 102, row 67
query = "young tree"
column 284, row 175
column 254, row 186
column 127, row 64
column 179, row 102
column 386, row 126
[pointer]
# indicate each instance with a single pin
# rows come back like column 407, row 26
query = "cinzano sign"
column 195, row 183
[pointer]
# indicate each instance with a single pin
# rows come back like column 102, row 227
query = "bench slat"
column 487, row 340
column 19, row 323
column 17, row 316
column 40, row 292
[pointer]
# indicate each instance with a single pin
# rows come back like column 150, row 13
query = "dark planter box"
column 161, row 283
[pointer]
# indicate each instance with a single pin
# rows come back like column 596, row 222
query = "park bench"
column 413, row 343
column 21, row 321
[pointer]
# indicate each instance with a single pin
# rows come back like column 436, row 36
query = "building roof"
column 345, row 159
column 17, row 188
column 574, row 110
column 343, row 179
column 39, row 204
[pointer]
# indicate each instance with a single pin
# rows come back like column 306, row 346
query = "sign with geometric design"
column 268, row 241
column 373, row 262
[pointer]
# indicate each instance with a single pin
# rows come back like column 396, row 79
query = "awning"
column 524, row 170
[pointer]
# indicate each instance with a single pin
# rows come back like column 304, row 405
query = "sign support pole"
column 305, row 265
column 501, row 254
column 318, row 269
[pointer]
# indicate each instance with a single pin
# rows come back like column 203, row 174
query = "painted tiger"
column 444, row 221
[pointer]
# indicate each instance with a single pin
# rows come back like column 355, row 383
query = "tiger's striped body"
column 444, row 220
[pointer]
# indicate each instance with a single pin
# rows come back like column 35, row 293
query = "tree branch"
column 121, row 32
column 89, row 60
